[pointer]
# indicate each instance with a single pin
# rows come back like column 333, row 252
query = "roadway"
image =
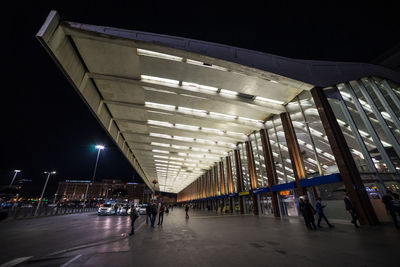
column 205, row 239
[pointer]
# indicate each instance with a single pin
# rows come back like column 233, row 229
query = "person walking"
column 309, row 212
column 148, row 213
column 134, row 215
column 320, row 211
column 153, row 214
column 301, row 208
column 350, row 208
column 161, row 215
column 187, row 210
column 388, row 201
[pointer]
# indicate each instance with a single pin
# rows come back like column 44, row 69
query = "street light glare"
column 17, row 170
column 99, row 147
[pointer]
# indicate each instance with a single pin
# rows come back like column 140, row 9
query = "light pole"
column 44, row 188
column 99, row 148
column 15, row 175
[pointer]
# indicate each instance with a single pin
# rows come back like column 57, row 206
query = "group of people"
column 151, row 213
column 391, row 201
column 308, row 212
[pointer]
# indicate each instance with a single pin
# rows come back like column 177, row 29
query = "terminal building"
column 221, row 125
column 75, row 190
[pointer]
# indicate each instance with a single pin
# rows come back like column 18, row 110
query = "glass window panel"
column 303, row 136
column 234, row 175
column 382, row 109
column 318, row 134
column 369, row 142
column 287, row 164
column 351, row 141
column 259, row 160
column 280, row 172
column 245, row 167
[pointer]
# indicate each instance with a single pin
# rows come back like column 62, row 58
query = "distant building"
column 106, row 189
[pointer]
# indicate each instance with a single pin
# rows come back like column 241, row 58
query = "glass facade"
column 245, row 167
column 367, row 112
column 259, row 162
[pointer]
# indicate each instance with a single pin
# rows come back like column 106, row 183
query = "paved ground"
column 205, row 239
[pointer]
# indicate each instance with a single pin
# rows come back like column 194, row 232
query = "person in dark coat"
column 134, row 215
column 309, row 212
column 320, row 211
column 350, row 208
column 388, row 201
column 187, row 210
column 148, row 213
column 301, row 208
column 161, row 215
column 154, row 211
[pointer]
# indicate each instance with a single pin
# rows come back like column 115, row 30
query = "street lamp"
column 15, row 175
column 44, row 188
column 99, row 148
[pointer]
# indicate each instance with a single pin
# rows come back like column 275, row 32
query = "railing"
column 22, row 213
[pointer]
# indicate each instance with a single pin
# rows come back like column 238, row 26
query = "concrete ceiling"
column 172, row 114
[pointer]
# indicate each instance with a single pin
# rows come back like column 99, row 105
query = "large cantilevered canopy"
column 175, row 106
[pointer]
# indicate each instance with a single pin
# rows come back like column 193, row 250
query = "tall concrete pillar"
column 294, row 151
column 253, row 176
column 239, row 178
column 271, row 170
column 344, row 160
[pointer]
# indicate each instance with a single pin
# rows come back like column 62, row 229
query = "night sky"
column 46, row 126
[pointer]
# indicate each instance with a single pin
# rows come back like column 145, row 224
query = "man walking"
column 320, row 211
column 349, row 207
column 309, row 214
column 153, row 214
column 148, row 213
column 161, row 215
column 388, row 201
column 187, row 210
column 134, row 215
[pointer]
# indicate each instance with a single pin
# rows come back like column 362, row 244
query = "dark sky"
column 45, row 125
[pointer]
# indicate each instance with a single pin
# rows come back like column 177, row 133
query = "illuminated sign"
column 244, row 193
column 284, row 193
column 77, row 181
column 131, row 183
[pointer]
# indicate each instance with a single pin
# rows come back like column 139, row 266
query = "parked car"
column 142, row 209
column 123, row 210
column 106, row 209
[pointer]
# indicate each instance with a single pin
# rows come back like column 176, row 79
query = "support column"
column 229, row 177
column 294, row 151
column 346, row 165
column 222, row 178
column 239, row 178
column 271, row 170
column 252, row 173
column 215, row 169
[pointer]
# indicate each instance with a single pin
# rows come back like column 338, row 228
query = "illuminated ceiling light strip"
column 160, row 151
column 153, row 79
column 228, row 92
column 148, row 53
column 252, row 120
column 160, row 144
column 200, row 86
column 223, row 115
column 166, row 136
column 160, row 123
column 264, row 99
column 187, row 127
column 159, row 106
